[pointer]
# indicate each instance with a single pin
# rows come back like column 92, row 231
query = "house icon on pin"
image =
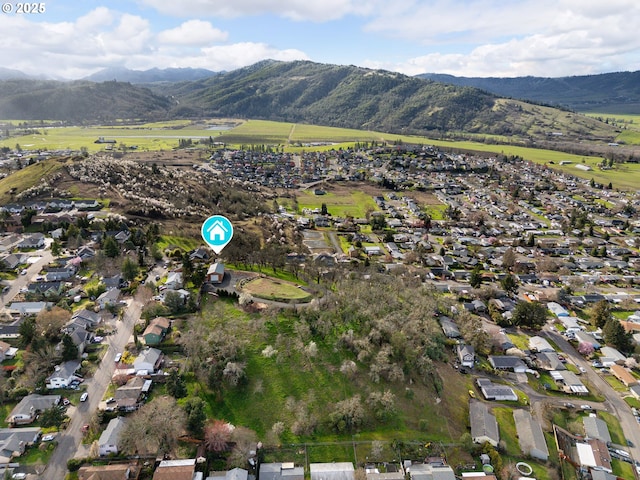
column 217, row 232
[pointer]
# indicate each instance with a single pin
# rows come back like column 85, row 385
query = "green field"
column 339, row 204
column 271, row 289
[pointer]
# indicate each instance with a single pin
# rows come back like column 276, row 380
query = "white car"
column 84, row 396
column 585, row 407
column 48, row 438
column 19, row 476
column 118, row 357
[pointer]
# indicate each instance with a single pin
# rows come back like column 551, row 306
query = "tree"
column 509, row 284
column 323, row 209
column 347, row 414
column 110, row 247
column 586, row 349
column 154, row 428
column 508, row 258
column 69, row 349
column 56, row 248
column 614, row 334
column 129, row 269
column 26, row 216
column 233, row 372
column 530, row 315
column 217, row 435
column 600, row 313
column 49, row 323
column 173, row 301
column 53, row 417
column 175, row 385
column 475, row 280
column 194, row 408
column 27, row 331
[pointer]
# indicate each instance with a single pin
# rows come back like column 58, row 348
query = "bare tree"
column 154, row 428
column 217, row 435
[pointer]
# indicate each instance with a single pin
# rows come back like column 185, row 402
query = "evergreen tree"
column 175, row 385
column 615, row 335
column 69, row 349
column 530, row 315
column 600, row 313
column 110, row 247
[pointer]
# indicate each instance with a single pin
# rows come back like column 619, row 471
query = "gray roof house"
column 426, row 471
column 30, row 406
column 549, row 361
column 63, row 375
column 595, row 427
column 148, row 360
column 466, row 355
column 110, row 297
column 507, row 362
column 14, row 441
column 539, row 344
column 484, row 426
column 496, row 391
column 530, row 435
column 332, row 471
column 449, row 328
column 233, row 474
column 281, row 471
column 110, row 438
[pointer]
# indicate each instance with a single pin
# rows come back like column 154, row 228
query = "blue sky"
column 504, row 38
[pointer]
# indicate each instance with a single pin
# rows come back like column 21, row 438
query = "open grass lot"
column 341, row 202
column 171, row 242
column 271, row 289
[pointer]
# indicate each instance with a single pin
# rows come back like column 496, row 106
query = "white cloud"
column 309, row 10
column 192, row 32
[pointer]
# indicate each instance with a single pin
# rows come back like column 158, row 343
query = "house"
column 584, row 337
column 110, row 438
column 30, row 407
column 116, row 471
column 148, row 360
column 11, row 261
column 530, row 435
column 426, row 471
column 484, row 426
column 63, row 375
column 200, row 254
column 557, row 309
column 62, row 273
column 81, row 338
column 28, row 308
column 215, row 273
column 87, row 317
column 35, row 240
column 156, row 330
column 507, row 362
column 539, row 344
column 624, row 375
column 174, row 281
column 233, row 474
column 466, row 355
column 108, row 298
column 129, row 396
column 281, row 471
column 502, row 341
column 14, row 441
column 597, row 428
column 495, row 391
column 7, row 351
column 549, row 361
column 175, row 469
column 449, row 327
column 612, row 355
column 569, row 382
column 332, row 471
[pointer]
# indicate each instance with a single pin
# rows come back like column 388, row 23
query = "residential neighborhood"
column 537, row 314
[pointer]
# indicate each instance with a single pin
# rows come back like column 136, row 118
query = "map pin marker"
column 217, row 232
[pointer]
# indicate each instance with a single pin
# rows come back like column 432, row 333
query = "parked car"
column 110, row 400
column 118, row 357
column 585, row 407
column 19, row 476
column 582, row 369
column 48, row 438
column 569, row 405
column 84, row 396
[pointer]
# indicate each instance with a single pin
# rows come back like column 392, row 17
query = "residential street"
column 69, row 440
column 614, row 403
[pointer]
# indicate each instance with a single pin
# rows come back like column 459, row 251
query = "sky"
column 71, row 39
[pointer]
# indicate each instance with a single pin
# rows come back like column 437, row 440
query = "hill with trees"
column 608, row 93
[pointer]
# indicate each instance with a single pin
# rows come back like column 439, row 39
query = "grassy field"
column 271, row 289
column 26, row 178
column 340, row 203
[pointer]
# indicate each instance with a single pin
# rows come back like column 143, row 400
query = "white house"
column 110, row 297
column 110, row 438
column 466, row 355
column 148, row 360
column 63, row 375
column 174, row 281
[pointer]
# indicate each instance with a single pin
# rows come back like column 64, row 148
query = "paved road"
column 69, row 441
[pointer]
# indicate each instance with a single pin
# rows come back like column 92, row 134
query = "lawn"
column 272, row 289
column 171, row 242
column 339, row 204
column 617, row 435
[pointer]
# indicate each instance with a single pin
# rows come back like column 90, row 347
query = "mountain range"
column 322, row 94
column 152, row 75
